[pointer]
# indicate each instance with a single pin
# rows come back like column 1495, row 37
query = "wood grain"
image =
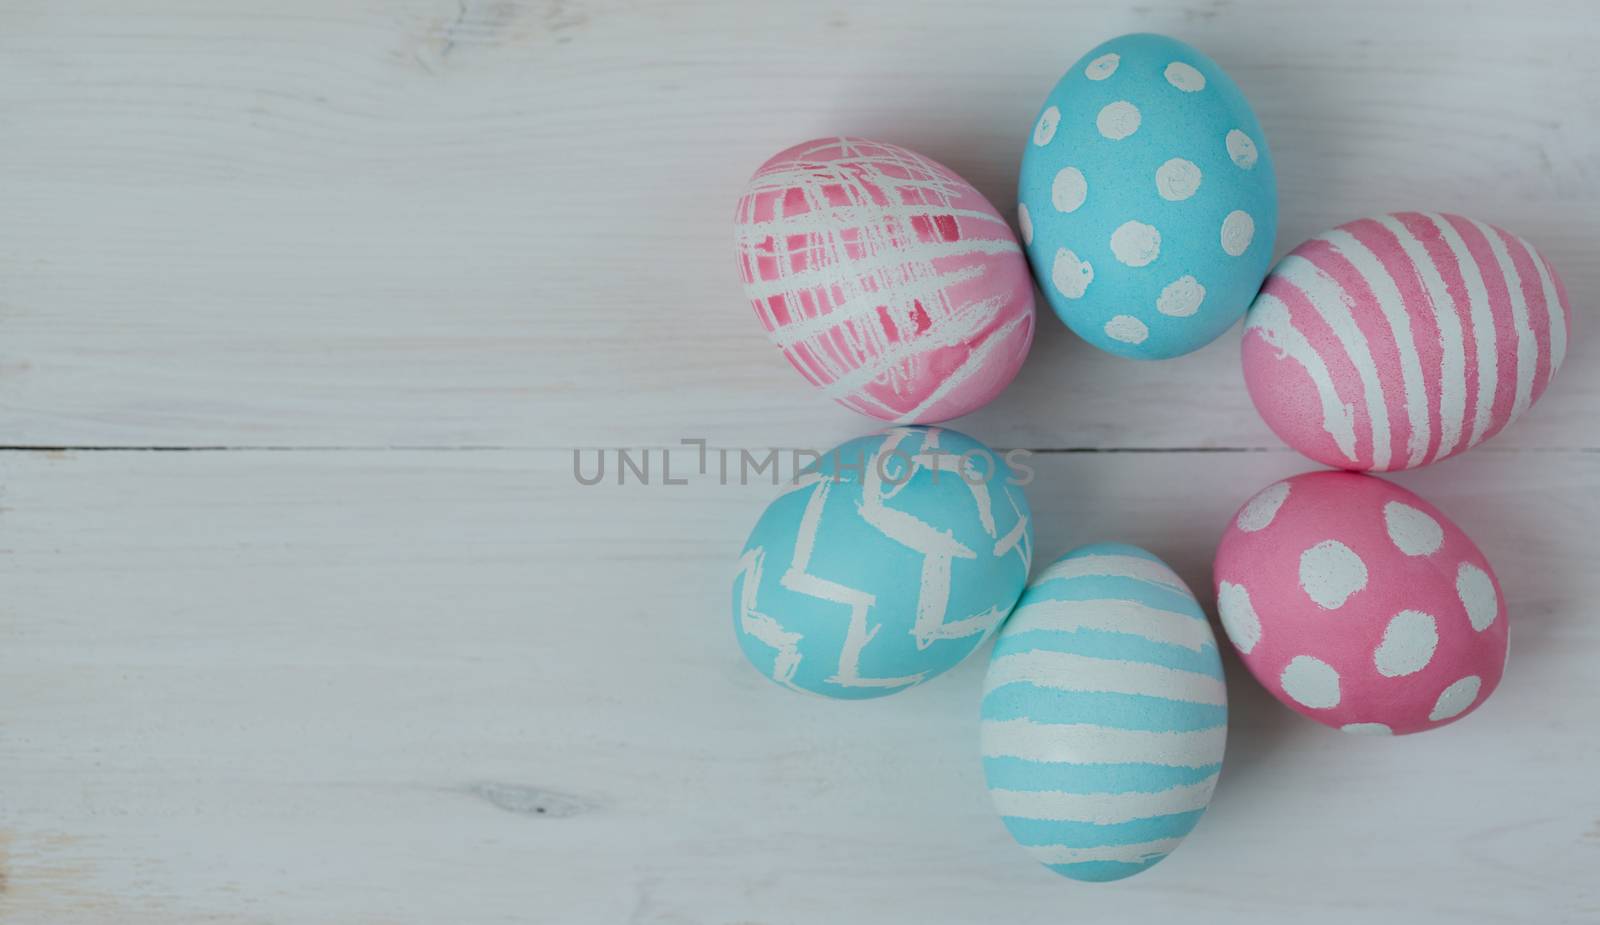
column 352, row 644
column 509, row 224
column 423, row 687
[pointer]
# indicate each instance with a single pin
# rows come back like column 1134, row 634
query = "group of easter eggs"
column 1147, row 212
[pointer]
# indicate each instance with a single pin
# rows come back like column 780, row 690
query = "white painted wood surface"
column 379, row 658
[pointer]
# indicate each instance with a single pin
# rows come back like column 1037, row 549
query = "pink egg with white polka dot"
column 1360, row 605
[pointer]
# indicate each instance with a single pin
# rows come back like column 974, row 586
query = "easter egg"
column 885, row 563
column 1360, row 605
column 1104, row 714
column 1147, row 200
column 887, row 281
column 1397, row 341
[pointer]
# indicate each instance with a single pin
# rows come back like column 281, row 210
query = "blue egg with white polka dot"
column 1147, row 200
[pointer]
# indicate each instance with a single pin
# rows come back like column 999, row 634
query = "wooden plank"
column 458, row 686
column 509, row 224
column 422, row 686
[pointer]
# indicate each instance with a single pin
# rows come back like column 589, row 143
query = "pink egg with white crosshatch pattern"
column 889, row 283
column 1396, row 341
column 1360, row 605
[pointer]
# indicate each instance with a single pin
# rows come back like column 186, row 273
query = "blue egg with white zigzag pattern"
column 886, row 563
column 1146, row 198
column 1104, row 714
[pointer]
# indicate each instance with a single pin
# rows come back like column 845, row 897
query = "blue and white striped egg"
column 1147, row 200
column 887, row 562
column 1104, row 714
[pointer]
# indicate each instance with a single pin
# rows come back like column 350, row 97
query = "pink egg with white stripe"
column 1360, row 605
column 888, row 282
column 1393, row 342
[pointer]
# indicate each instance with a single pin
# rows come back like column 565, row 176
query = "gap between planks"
column 513, row 448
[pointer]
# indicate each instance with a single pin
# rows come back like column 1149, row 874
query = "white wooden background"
column 303, row 618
